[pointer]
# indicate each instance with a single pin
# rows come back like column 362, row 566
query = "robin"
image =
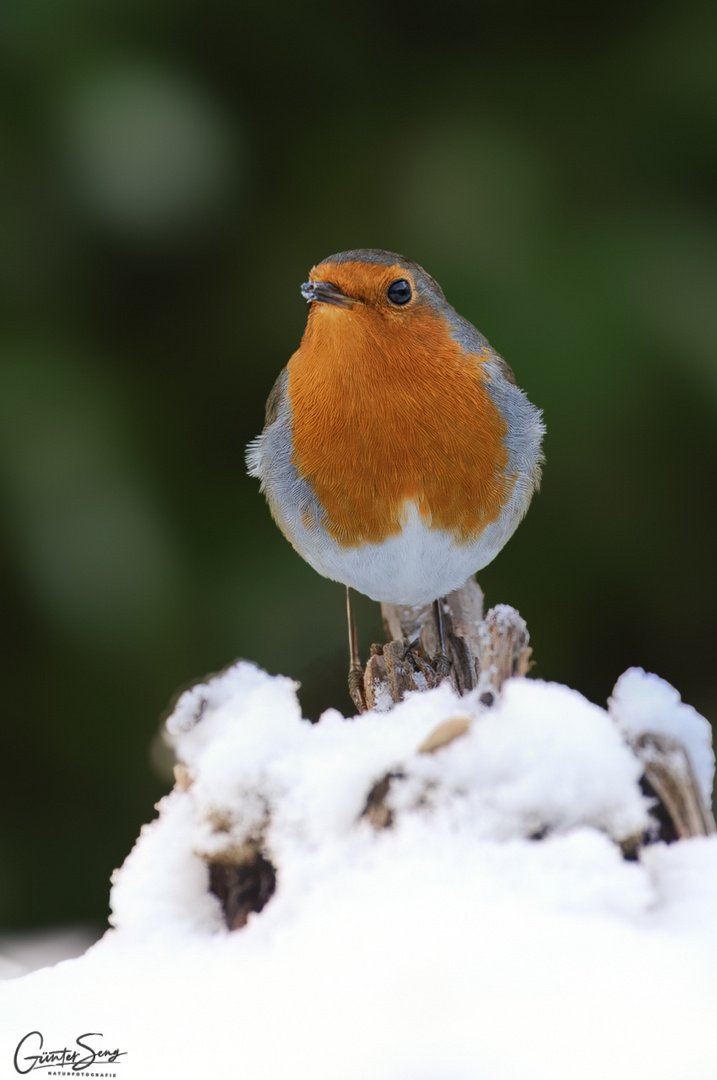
column 398, row 454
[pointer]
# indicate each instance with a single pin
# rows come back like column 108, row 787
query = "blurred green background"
column 170, row 172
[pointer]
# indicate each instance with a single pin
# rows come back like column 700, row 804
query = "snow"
column 493, row 932
column 20, row 953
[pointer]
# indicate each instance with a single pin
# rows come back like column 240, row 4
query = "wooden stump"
column 482, row 652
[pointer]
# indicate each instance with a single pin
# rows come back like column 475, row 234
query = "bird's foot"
column 441, row 666
column 356, row 688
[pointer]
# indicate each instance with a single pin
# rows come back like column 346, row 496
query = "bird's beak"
column 323, row 292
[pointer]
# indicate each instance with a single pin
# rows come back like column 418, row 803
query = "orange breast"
column 389, row 410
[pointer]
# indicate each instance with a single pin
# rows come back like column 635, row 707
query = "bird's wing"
column 277, row 393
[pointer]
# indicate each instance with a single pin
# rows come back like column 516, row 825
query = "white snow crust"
column 494, row 932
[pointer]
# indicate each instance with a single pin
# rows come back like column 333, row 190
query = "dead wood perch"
column 669, row 778
column 482, row 652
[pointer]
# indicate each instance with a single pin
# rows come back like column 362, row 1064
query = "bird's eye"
column 399, row 292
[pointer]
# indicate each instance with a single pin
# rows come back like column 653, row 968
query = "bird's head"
column 372, row 284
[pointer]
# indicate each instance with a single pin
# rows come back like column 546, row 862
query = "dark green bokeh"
column 170, row 173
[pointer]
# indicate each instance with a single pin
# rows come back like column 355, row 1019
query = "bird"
column 398, row 454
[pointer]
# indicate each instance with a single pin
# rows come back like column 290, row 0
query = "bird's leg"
column 355, row 669
column 409, row 647
column 441, row 662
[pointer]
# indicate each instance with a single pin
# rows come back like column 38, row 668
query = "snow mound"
column 493, row 931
